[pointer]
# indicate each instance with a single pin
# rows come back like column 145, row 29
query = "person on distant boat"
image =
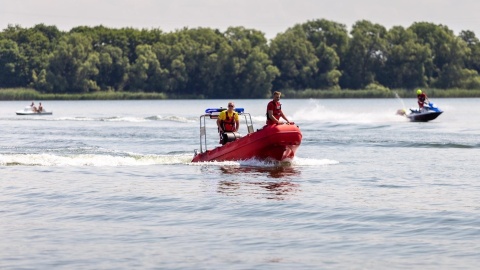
column 421, row 99
column 274, row 111
column 227, row 121
column 34, row 108
column 40, row 107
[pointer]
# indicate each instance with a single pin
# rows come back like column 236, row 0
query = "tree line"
column 239, row 62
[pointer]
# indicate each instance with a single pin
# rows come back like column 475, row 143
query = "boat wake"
column 295, row 162
column 171, row 118
column 109, row 160
column 313, row 111
column 96, row 160
column 131, row 119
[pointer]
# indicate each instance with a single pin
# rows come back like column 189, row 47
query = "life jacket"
column 229, row 123
column 421, row 99
column 277, row 111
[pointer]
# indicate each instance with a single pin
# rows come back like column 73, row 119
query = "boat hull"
column 275, row 142
column 33, row 113
column 423, row 117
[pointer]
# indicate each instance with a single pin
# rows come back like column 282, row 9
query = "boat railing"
column 212, row 113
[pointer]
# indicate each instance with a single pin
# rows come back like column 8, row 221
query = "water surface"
column 109, row 185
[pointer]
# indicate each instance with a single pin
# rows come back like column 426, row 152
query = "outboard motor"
column 230, row 137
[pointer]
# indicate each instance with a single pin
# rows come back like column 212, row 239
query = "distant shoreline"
column 12, row 94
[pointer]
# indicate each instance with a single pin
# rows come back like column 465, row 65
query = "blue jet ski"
column 428, row 113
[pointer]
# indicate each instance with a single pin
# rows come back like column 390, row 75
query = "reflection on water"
column 273, row 172
column 250, row 184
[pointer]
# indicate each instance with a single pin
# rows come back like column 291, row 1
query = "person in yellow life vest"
column 227, row 120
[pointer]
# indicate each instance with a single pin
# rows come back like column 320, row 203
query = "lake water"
column 109, row 185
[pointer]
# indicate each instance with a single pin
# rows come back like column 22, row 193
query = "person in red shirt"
column 274, row 111
column 421, row 99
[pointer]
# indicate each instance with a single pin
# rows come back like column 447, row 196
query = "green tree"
column 35, row 44
column 13, row 65
column 258, row 76
column 330, row 40
column 146, row 74
column 113, row 68
column 38, row 43
column 449, row 55
column 172, row 58
column 200, row 56
column 473, row 60
column 406, row 60
column 247, row 71
column 73, row 66
column 366, row 55
column 295, row 57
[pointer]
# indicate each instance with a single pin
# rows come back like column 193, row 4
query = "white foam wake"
column 297, row 161
column 99, row 160
column 90, row 160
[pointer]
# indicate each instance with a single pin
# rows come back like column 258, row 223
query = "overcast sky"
column 269, row 16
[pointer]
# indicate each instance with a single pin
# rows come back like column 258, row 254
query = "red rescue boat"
column 272, row 142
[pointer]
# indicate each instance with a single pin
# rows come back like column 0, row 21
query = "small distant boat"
column 273, row 142
column 28, row 110
column 428, row 113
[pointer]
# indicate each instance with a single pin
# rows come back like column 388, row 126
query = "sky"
column 268, row 16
